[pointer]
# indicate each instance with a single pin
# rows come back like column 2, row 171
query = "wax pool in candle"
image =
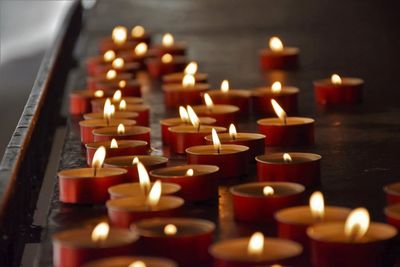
column 277, row 56
column 392, row 193
column 302, row 168
column 184, row 240
column 198, row 182
column 111, row 77
column 130, row 133
column 87, row 127
column 76, row 246
column 135, row 189
column 124, row 261
column 157, row 67
column 338, row 90
column 257, row 202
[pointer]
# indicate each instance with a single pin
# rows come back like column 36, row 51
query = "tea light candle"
column 286, row 131
column 118, row 42
column 285, row 95
column 191, row 68
column 79, row 101
column 257, row 202
column 116, row 148
column 234, row 97
column 76, row 247
column 392, row 213
column 168, row 46
column 143, row 112
column 356, row 242
column 254, row 251
column 140, row 35
column 135, row 189
column 182, row 120
column 338, row 90
column 189, row 238
column 124, row 211
column 111, row 77
column 198, row 182
column 186, row 93
column 89, row 185
column 129, row 163
column 277, row 56
column 294, row 221
column 92, row 62
column 119, row 65
column 231, row 159
column 127, row 115
column 159, row 66
column 392, row 192
column 302, row 168
column 98, row 104
column 131, row 262
column 139, row 54
column 224, row 114
column 128, row 87
column 254, row 141
column 122, row 133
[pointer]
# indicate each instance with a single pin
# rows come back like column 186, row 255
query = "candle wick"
column 284, row 120
column 94, row 171
column 218, row 150
column 107, row 121
column 198, row 128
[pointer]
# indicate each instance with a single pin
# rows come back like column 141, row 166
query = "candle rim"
column 392, row 188
column 126, row 260
column 118, row 191
column 266, row 91
column 132, row 204
column 178, row 87
column 129, row 82
column 121, row 144
column 287, row 50
column 233, row 92
column 147, row 160
column 216, row 109
column 102, row 77
column 137, row 108
column 88, row 171
column 128, row 99
column 299, row 189
column 270, row 120
column 176, row 59
column 103, row 123
column 268, row 158
column 211, row 170
column 257, row 136
column 239, row 149
column 129, row 130
column 178, row 121
column 178, row 76
column 117, row 115
column 346, row 81
column 190, row 129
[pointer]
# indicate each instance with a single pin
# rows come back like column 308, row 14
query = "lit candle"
column 107, row 79
column 277, row 56
column 119, row 41
column 98, row 104
column 119, row 35
column 139, row 35
column 392, row 192
column 93, row 62
column 169, row 46
column 122, row 132
column 79, row 101
column 192, row 69
column 165, row 64
column 129, row 261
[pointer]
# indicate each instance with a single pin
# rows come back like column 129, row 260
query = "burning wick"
column 98, row 159
column 144, row 179
column 194, row 120
column 275, row 44
column 287, row 158
column 189, row 172
column 170, row 229
column 256, row 244
column 215, row 139
column 335, row 79
column 208, row 101
column 154, row 195
column 317, row 206
column 100, row 232
column 357, row 224
column 232, row 131
column 268, row 191
column 279, row 111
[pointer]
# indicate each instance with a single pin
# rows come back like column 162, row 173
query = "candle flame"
column 276, row 87
column 122, row 105
column 117, row 96
column 114, row 143
column 317, row 206
column 232, row 131
column 167, row 58
column 119, row 35
column 109, row 56
column 100, row 232
column 111, row 74
column 99, row 93
column 287, row 158
column 141, row 49
column 137, row 31
column 275, row 44
column 335, row 79
column 144, row 179
column 256, row 244
column 135, row 160
column 118, row 63
column 189, row 172
column 188, row 81
column 168, row 40
column 357, row 224
column 98, row 157
column 121, row 129
column 183, row 114
column 216, row 141
column 191, row 68
column 137, row 264
column 225, row 86
column 122, row 84
column 268, row 191
column 279, row 110
column 107, row 110
column 154, row 195
column 170, row 229
column 208, row 100
column 194, row 120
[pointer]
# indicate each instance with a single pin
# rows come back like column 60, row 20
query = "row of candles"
column 143, row 195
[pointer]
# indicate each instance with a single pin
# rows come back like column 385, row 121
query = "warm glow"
column 114, row 143
column 225, row 86
column 216, row 141
column 335, row 79
column 135, row 160
column 100, row 232
column 256, row 244
column 194, row 120
column 98, row 157
column 232, row 131
column 268, row 191
column 109, row 56
column 137, row 264
column 111, row 74
column 119, row 34
column 287, row 158
column 275, row 44
column 121, row 129
column 208, row 100
column 122, row 84
column 317, row 205
column 99, row 93
column 183, row 114
column 276, row 87
column 117, row 96
column 107, row 111
column 137, row 31
column 191, row 68
column 141, row 49
column 279, row 110
column 122, row 105
column 154, row 195
column 118, row 63
column 189, row 172
column 168, row 40
column 112, row 108
column 144, row 178
column 357, row 224
column 167, row 58
column 188, row 81
column 170, row 229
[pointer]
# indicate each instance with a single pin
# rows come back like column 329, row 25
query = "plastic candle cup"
column 143, row 112
column 278, row 57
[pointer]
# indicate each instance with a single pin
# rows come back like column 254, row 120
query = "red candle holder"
column 125, row 261
column 287, row 58
column 287, row 98
column 177, row 77
column 157, row 68
column 200, row 185
column 176, row 95
column 93, row 82
column 108, row 44
column 143, row 118
column 128, row 67
column 297, row 131
column 177, row 49
column 186, row 241
column 98, row 104
column 223, row 114
column 93, row 62
column 302, row 168
column 392, row 213
column 253, row 202
column 128, row 87
column 131, row 133
column 122, row 212
column 349, row 91
column 125, row 162
column 142, row 37
column 125, row 148
column 79, row 101
column 185, row 136
column 135, row 189
column 75, row 247
column 117, row 115
column 392, row 192
column 331, row 248
column 83, row 186
column 231, row 159
column 234, row 97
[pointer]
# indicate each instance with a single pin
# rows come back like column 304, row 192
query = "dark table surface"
column 360, row 145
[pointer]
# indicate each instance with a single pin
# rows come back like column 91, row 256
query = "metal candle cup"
column 131, row 133
column 125, row 162
column 250, row 204
column 185, row 136
column 285, row 59
column 157, row 68
column 188, row 246
column 287, row 98
column 135, row 189
column 304, row 168
column 392, row 192
column 93, row 82
column 98, row 104
column 176, row 95
column 132, row 87
column 201, row 185
column 231, row 159
column 124, row 261
column 392, row 213
column 87, row 186
column 234, row 97
column 224, row 114
column 177, row 77
column 297, row 131
column 75, row 247
column 349, row 91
